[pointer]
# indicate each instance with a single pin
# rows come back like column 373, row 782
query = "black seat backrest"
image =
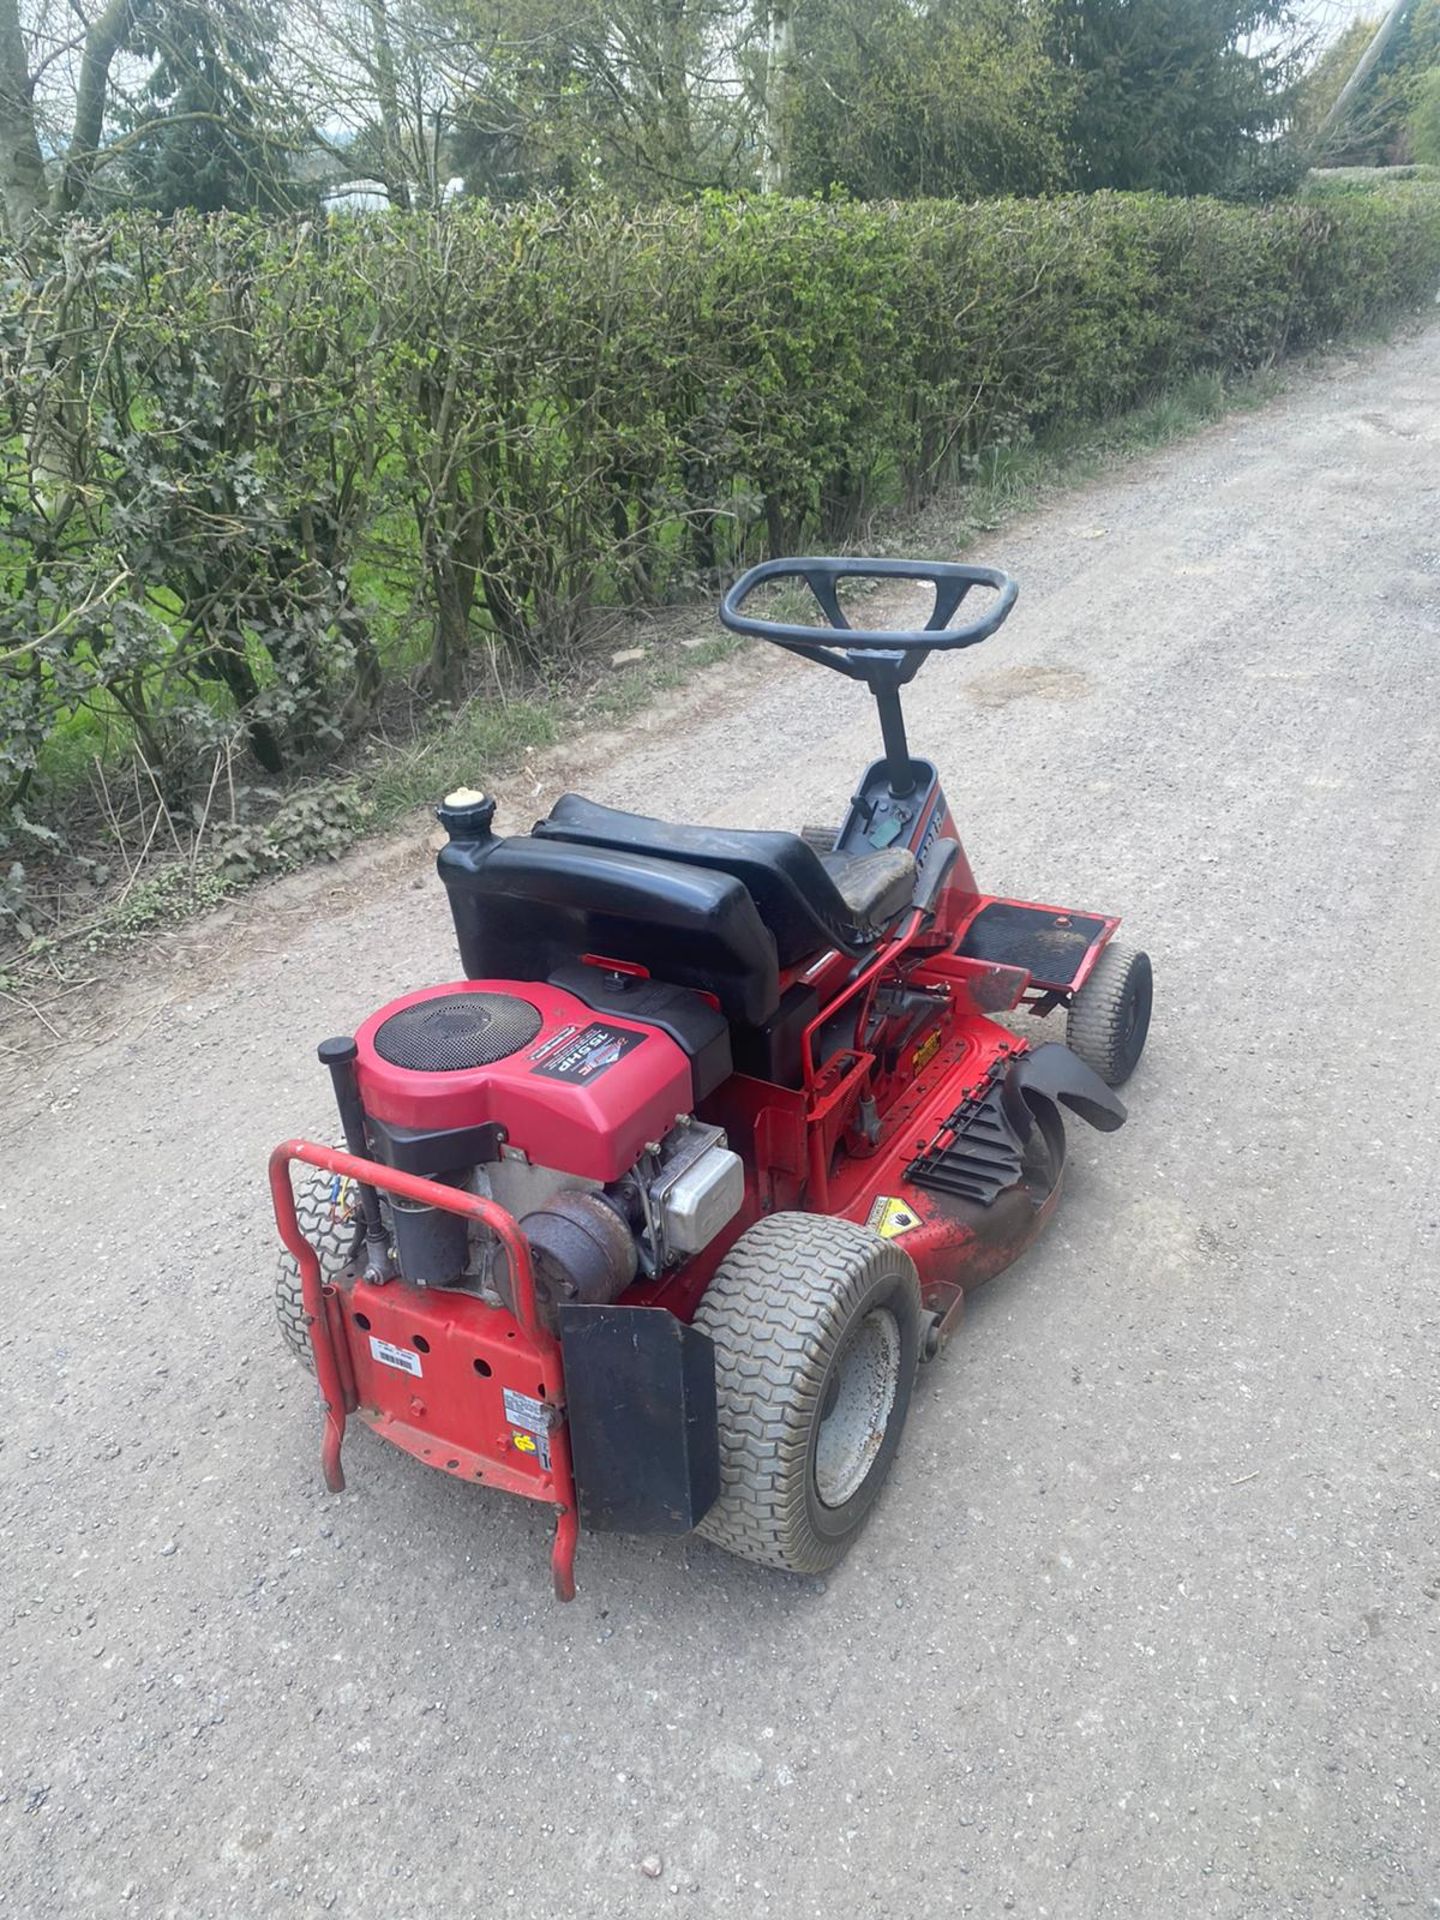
column 798, row 901
column 525, row 906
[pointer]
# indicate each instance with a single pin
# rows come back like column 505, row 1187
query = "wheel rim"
column 859, row 1400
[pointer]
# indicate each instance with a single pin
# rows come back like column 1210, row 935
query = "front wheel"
column 1109, row 1017
column 816, row 1325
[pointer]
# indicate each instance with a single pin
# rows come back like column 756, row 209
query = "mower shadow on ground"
column 445, row 1540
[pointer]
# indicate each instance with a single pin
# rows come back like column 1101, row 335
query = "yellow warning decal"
column 890, row 1218
column 523, row 1442
column 925, row 1052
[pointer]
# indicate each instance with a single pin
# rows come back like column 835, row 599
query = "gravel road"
column 1148, row 1621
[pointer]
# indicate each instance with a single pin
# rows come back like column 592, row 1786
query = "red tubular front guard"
column 322, row 1304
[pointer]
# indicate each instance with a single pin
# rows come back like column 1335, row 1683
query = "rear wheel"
column 817, row 1325
column 1109, row 1017
column 327, row 1211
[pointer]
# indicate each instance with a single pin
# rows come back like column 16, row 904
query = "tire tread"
column 1095, row 1025
column 331, row 1240
column 773, row 1311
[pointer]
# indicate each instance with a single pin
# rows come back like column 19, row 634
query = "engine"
column 579, row 1122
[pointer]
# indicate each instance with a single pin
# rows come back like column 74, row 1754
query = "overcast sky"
column 1331, row 17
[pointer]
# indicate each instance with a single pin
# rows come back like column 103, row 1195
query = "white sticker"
column 522, row 1411
column 400, row 1357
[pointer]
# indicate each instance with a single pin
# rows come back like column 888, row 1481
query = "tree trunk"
column 232, row 669
column 25, row 193
column 22, row 166
column 779, row 67
column 454, row 591
column 1364, row 67
column 102, row 43
column 387, row 94
column 672, row 89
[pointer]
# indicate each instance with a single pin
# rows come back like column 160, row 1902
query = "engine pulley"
column 582, row 1249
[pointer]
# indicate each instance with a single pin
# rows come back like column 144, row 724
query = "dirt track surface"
column 1148, row 1621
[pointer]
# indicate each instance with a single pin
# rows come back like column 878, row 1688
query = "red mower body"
column 583, row 1094
column 666, row 1038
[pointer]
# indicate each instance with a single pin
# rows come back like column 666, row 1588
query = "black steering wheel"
column 951, row 581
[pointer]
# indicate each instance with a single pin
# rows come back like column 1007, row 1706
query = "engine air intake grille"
column 457, row 1030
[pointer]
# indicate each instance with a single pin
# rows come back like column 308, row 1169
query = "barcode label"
column 400, row 1357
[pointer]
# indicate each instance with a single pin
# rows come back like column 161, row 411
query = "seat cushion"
column 801, row 901
column 874, row 886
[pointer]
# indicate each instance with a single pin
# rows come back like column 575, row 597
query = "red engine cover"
column 583, row 1093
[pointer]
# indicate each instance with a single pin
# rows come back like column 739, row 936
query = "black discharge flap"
column 640, row 1400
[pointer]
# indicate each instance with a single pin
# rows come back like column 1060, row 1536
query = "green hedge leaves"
column 247, row 471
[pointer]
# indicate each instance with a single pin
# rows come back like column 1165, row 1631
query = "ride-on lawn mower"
column 652, row 1216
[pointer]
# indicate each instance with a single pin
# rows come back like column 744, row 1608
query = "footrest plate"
column 1051, row 944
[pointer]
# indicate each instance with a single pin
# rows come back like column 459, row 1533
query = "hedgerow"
column 251, row 473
